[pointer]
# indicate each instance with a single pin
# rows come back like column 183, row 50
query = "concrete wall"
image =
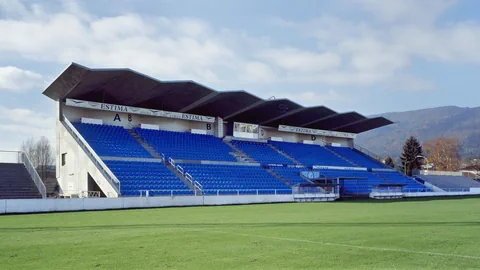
column 73, row 176
column 440, row 194
column 295, row 137
column 126, row 120
column 65, row 205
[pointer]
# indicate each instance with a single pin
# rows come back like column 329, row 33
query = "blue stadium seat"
column 141, row 176
column 232, row 179
column 187, row 146
column 355, row 187
column 399, row 178
column 449, row 182
column 357, row 157
column 261, row 152
column 111, row 141
column 292, row 175
column 311, row 155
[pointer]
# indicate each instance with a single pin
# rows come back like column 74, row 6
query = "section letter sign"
column 317, row 132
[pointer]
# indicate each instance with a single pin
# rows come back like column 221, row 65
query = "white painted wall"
column 295, row 137
column 62, row 205
column 74, row 114
column 73, row 176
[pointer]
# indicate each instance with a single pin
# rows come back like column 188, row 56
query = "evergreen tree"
column 410, row 160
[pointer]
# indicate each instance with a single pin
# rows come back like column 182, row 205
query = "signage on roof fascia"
column 319, row 132
column 383, row 170
column 135, row 110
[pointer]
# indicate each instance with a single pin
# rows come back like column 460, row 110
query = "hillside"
column 425, row 124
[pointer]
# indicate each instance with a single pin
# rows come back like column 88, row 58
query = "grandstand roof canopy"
column 130, row 88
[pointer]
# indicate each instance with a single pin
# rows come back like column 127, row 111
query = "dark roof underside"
column 130, row 88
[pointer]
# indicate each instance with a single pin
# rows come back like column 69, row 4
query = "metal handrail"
column 107, row 173
column 366, row 151
column 171, row 161
column 180, row 169
column 198, row 185
column 34, row 174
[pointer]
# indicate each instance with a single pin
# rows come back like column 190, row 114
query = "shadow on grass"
column 242, row 225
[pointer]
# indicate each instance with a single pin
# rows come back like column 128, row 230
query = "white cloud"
column 258, row 72
column 300, row 60
column 15, row 79
column 167, row 48
column 412, row 11
column 380, row 54
column 349, row 52
column 19, row 124
column 315, row 98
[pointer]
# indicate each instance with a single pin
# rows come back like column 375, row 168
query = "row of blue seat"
column 187, row 146
column 311, row 154
column 156, row 177
column 357, row 157
column 261, row 152
column 233, row 177
column 111, row 141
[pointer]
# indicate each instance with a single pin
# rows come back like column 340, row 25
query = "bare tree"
column 40, row 154
column 444, row 153
column 29, row 148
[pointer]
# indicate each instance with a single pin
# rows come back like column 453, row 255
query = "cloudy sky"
column 372, row 56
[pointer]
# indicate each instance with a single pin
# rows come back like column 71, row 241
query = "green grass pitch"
column 435, row 234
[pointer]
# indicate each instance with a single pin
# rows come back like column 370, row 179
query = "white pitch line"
column 344, row 245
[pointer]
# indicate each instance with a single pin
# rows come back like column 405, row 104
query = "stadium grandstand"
column 124, row 134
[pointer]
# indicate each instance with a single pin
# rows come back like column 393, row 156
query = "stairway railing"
column 21, row 157
column 34, row 174
column 366, row 152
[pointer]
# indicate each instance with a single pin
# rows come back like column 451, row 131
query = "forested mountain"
column 425, row 124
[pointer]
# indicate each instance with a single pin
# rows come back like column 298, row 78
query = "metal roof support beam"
column 199, row 102
column 350, row 124
column 283, row 115
column 244, row 109
column 321, row 119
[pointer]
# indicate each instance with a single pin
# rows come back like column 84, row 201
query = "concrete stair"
column 183, row 178
column 285, row 155
column 340, row 156
column 239, row 154
column 16, row 182
column 278, row 176
column 144, row 144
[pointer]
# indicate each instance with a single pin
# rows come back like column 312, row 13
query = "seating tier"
column 152, row 176
column 399, row 178
column 231, row 179
column 261, row 152
column 357, row 157
column 187, row 146
column 311, row 155
column 111, row 141
column 292, row 175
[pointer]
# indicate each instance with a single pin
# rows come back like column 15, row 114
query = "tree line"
column 441, row 154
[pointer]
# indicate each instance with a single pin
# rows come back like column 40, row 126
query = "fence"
column 21, row 157
column 208, row 192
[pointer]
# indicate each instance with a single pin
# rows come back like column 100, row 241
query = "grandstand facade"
column 122, row 133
